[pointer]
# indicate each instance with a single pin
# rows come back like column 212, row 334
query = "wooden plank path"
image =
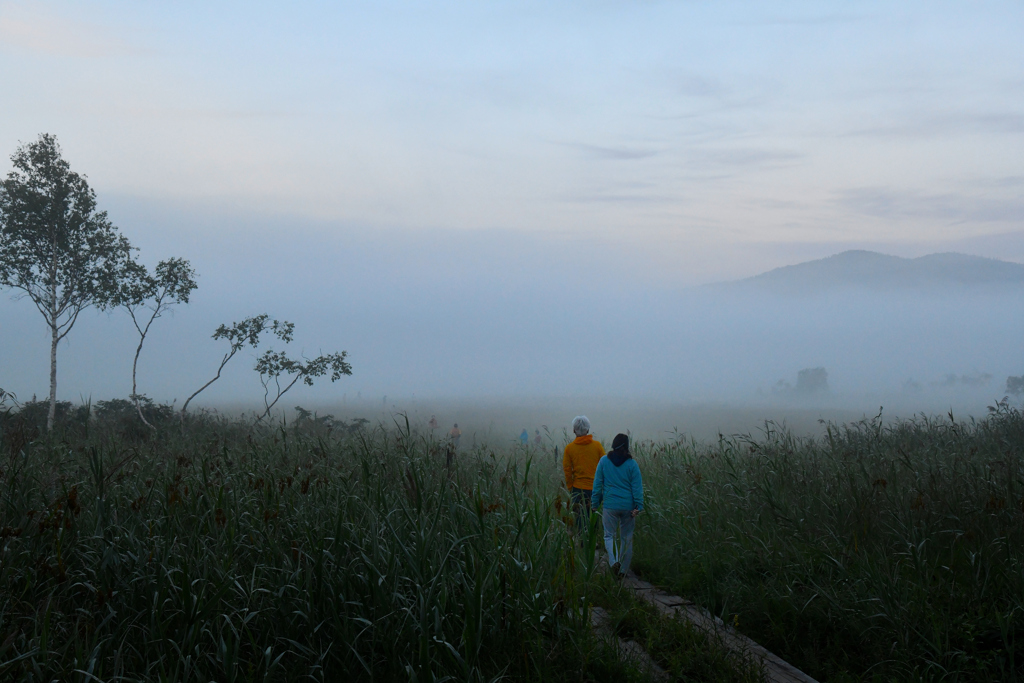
column 630, row 649
column 776, row 669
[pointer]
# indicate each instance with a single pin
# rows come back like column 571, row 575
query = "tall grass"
column 232, row 555
column 874, row 553
column 234, row 552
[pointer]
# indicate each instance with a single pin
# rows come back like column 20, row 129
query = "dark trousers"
column 581, row 506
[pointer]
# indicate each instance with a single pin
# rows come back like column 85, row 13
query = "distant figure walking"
column 536, row 440
column 524, row 437
column 619, row 487
column 433, row 423
column 579, row 462
column 454, row 435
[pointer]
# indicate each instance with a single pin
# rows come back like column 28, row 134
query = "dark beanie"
column 621, row 441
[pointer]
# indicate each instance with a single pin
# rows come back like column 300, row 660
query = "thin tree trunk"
column 135, row 396
column 280, row 393
column 54, row 334
column 224, row 362
column 53, row 378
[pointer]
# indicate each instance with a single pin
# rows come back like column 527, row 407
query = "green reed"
column 877, row 552
column 232, row 554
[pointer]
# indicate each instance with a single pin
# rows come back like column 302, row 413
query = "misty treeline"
column 64, row 255
column 809, row 382
column 814, row 382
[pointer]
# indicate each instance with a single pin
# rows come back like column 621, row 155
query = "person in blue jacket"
column 620, row 488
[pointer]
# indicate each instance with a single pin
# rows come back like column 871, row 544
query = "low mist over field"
column 671, row 205
column 570, row 323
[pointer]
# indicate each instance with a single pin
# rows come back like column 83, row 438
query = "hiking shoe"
column 617, row 570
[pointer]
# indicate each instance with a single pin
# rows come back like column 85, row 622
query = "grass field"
column 236, row 552
column 878, row 552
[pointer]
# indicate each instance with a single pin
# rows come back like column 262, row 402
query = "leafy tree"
column 308, row 418
column 273, row 365
column 812, row 381
column 147, row 297
column 239, row 335
column 124, row 415
column 55, row 246
column 1015, row 385
column 31, row 416
column 121, row 410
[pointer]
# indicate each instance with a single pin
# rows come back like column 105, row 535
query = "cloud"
column 1001, row 181
column 742, row 158
column 950, row 124
column 691, row 85
column 707, row 96
column 833, row 19
column 618, row 198
column 59, row 36
column 952, row 207
column 210, row 114
column 620, row 193
column 611, row 153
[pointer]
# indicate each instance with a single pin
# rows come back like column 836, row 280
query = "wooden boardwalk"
column 629, row 649
column 776, row 669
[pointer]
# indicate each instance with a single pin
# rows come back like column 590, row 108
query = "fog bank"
column 458, row 316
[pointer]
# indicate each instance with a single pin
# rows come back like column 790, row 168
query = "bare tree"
column 55, row 246
column 239, row 335
column 147, row 297
column 273, row 365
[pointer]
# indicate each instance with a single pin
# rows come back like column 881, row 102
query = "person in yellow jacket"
column 579, row 463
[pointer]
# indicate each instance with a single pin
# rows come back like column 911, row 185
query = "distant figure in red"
column 536, row 439
column 433, row 423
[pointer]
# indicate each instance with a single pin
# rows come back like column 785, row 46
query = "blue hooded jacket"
column 617, row 481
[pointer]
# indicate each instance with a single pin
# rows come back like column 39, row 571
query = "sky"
column 491, row 175
column 690, row 125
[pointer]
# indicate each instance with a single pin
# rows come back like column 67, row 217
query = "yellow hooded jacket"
column 580, row 462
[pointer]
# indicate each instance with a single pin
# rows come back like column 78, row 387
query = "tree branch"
column 280, row 393
column 216, row 377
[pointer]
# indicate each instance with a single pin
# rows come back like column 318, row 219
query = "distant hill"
column 871, row 270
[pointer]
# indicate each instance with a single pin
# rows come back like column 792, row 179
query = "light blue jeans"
column 619, row 549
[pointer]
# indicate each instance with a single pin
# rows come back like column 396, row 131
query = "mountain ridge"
column 857, row 268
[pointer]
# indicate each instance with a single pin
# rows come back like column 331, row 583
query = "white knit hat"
column 581, row 425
